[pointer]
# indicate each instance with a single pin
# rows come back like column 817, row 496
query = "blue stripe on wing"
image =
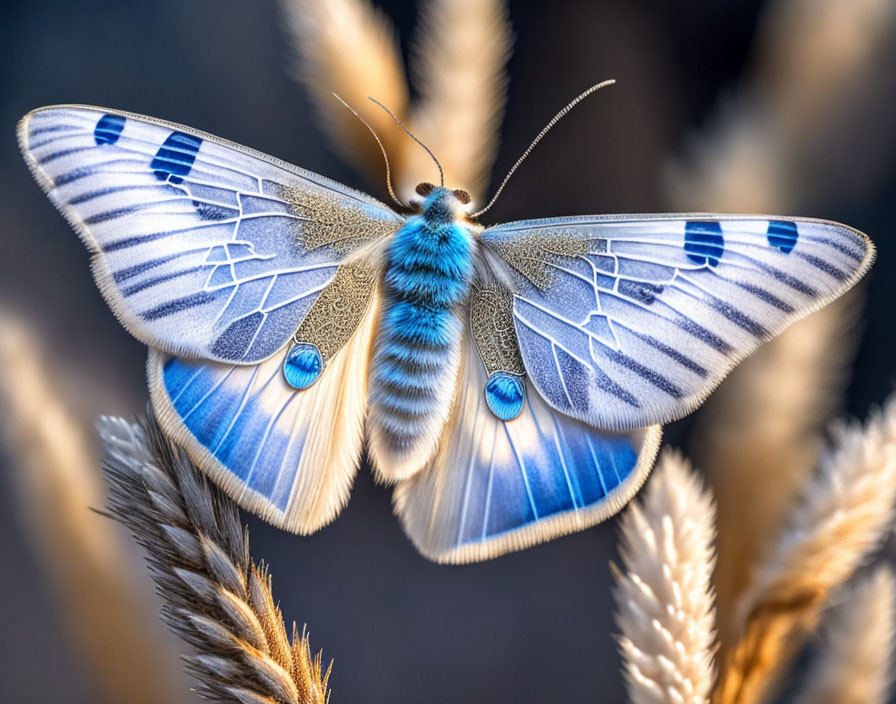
column 288, row 455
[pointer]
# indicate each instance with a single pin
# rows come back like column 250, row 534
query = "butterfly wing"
column 216, row 256
column 626, row 321
column 496, row 486
column 289, row 456
column 202, row 248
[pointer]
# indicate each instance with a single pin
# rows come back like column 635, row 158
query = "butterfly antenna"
column 412, row 136
column 547, row 128
column 382, row 149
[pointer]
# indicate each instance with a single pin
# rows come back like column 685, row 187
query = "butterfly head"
column 440, row 202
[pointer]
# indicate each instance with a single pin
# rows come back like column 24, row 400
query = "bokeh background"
column 531, row 626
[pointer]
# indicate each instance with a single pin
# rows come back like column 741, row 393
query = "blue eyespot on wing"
column 496, row 486
column 202, row 248
column 626, row 321
column 288, row 455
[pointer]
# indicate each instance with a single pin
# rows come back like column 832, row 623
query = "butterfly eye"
column 424, row 189
column 462, row 196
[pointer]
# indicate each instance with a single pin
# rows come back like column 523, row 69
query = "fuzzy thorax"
column 417, row 350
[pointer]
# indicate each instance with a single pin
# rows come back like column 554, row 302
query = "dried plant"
column 769, row 149
column 348, row 47
column 664, row 596
column 762, row 150
column 856, row 662
column 462, row 50
column 216, row 598
column 54, row 474
column 460, row 70
column 845, row 512
column 760, row 436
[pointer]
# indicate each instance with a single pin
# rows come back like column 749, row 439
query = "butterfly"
column 510, row 380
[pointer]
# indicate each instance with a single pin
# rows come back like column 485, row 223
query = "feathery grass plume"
column 459, row 67
column 856, row 663
column 762, row 150
column 664, row 596
column 760, row 154
column 348, row 47
column 814, row 59
column 53, row 470
column 759, row 439
column 843, row 515
column 217, row 599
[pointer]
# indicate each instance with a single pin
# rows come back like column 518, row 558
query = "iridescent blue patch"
column 782, row 235
column 703, row 242
column 108, row 129
column 505, row 394
column 175, row 157
column 303, row 365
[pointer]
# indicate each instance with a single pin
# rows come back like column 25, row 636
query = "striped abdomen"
column 416, row 355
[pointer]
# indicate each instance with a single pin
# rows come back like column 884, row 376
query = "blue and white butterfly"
column 511, row 379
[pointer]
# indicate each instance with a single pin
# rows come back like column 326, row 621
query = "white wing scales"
column 196, row 246
column 639, row 317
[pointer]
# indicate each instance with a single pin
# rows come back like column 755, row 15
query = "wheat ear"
column 349, row 47
column 856, row 664
column 817, row 67
column 53, row 472
column 664, row 601
column 459, row 66
column 845, row 512
column 216, row 598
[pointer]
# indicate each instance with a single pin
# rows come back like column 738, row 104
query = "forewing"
column 496, row 486
column 626, row 321
column 202, row 248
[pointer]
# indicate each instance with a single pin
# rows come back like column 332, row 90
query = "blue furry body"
column 427, row 278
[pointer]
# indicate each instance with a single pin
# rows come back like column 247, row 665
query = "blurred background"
column 530, row 626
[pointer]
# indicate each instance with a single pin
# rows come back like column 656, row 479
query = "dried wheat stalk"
column 846, row 510
column 56, row 480
column 814, row 71
column 216, row 598
column 856, row 664
column 349, row 47
column 759, row 439
column 459, row 64
column 664, row 597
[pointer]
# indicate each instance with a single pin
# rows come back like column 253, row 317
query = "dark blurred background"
column 531, row 626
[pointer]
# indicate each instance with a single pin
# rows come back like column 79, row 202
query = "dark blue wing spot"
column 175, row 157
column 703, row 242
column 639, row 290
column 108, row 129
column 782, row 235
column 234, row 342
column 210, row 211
